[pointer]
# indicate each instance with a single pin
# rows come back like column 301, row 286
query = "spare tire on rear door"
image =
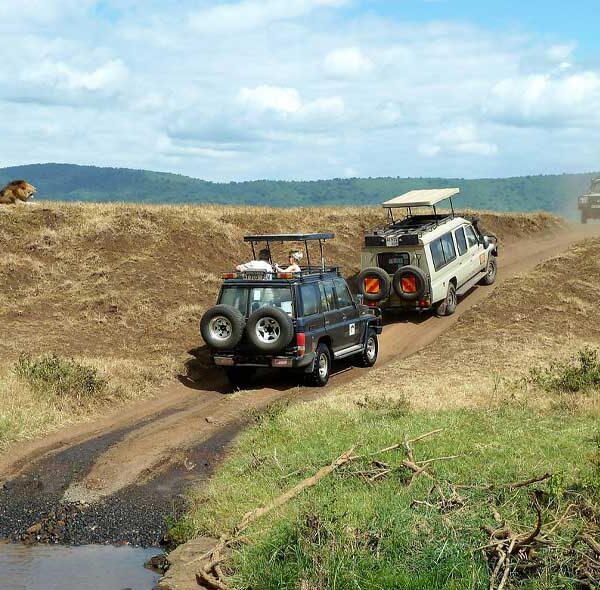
column 410, row 283
column 269, row 329
column 222, row 326
column 374, row 284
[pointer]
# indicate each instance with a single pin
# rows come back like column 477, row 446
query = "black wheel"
column 269, row 329
column 374, row 284
column 222, row 326
column 410, row 283
column 322, row 367
column 368, row 356
column 448, row 305
column 240, row 377
column 584, row 217
column 491, row 271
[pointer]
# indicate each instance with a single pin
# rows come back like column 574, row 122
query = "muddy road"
column 119, row 479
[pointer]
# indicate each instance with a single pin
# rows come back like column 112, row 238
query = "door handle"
column 344, row 317
column 327, row 322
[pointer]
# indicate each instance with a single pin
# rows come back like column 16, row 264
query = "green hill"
column 68, row 182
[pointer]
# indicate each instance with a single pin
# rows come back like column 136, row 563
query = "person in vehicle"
column 262, row 264
column 293, row 258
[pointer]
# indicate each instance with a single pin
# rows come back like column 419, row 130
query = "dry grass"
column 485, row 360
column 123, row 286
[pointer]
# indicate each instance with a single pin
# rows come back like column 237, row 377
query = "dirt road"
column 162, row 445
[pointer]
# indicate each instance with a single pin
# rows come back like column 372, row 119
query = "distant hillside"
column 67, row 182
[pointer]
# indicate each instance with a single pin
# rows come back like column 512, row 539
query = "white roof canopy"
column 421, row 198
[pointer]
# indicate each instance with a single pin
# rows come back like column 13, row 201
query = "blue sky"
column 249, row 89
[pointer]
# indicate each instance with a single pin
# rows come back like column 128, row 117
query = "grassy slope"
column 348, row 533
column 122, row 287
column 555, row 193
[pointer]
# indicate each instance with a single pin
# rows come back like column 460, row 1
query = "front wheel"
column 491, row 271
column 368, row 356
column 584, row 217
column 448, row 305
column 319, row 376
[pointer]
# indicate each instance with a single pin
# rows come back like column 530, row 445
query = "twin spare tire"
column 268, row 329
column 409, row 283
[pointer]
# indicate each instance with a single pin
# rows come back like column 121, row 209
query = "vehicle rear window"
column 442, row 251
column 392, row 261
column 461, row 241
column 343, row 294
column 249, row 299
column 310, row 297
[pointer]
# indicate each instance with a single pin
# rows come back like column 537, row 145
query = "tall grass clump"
column 54, row 376
column 580, row 374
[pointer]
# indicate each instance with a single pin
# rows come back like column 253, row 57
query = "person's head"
column 295, row 256
column 264, row 255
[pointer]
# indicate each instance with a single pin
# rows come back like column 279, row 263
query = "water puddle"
column 93, row 567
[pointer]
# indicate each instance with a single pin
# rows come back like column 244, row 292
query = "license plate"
column 254, row 276
column 391, row 241
column 596, row 206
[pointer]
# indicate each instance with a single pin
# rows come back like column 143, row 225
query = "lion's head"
column 17, row 190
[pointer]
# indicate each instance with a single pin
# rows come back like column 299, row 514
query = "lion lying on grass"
column 17, row 190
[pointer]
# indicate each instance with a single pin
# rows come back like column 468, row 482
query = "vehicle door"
column 464, row 271
column 310, row 315
column 332, row 315
column 445, row 264
column 476, row 252
column 352, row 330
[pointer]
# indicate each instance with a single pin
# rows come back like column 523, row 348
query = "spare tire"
column 269, row 329
column 379, row 274
column 415, row 277
column 222, row 326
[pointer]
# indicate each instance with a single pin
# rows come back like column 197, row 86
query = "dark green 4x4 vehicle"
column 589, row 204
column 290, row 320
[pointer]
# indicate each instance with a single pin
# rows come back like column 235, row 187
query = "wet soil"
column 32, row 508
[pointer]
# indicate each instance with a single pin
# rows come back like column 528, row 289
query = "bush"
column 580, row 374
column 60, row 377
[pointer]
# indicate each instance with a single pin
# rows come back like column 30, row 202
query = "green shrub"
column 60, row 377
column 579, row 374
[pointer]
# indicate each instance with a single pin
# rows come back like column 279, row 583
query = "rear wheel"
column 584, row 217
column 319, row 376
column 448, row 305
column 491, row 271
column 240, row 377
column 368, row 356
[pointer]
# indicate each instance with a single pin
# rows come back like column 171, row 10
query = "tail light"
column 424, row 303
column 285, row 275
column 229, row 275
column 409, row 284
column 372, row 285
column 301, row 343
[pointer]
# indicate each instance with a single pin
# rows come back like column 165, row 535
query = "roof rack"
column 268, row 238
column 420, row 198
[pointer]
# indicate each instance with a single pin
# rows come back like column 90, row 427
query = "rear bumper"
column 280, row 362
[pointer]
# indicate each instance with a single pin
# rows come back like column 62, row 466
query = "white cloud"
column 459, row 140
column 265, row 98
column 547, row 100
column 252, row 14
column 348, row 62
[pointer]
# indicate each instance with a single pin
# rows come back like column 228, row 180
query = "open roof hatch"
column 421, row 198
column 305, row 238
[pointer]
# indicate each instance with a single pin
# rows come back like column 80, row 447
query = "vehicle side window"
column 471, row 237
column 311, row 299
column 442, row 251
column 437, row 253
column 328, row 287
column 448, row 247
column 343, row 295
column 324, row 302
column 461, row 241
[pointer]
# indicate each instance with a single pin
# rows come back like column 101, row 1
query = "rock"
column 158, row 563
column 210, row 420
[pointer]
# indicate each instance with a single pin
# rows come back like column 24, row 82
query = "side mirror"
column 360, row 299
column 484, row 241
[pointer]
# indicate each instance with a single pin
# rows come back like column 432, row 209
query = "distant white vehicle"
column 589, row 204
column 425, row 260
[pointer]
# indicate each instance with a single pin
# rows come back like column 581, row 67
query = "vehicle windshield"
column 250, row 298
column 595, row 188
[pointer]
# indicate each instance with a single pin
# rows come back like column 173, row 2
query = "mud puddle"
column 92, row 567
column 33, row 511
